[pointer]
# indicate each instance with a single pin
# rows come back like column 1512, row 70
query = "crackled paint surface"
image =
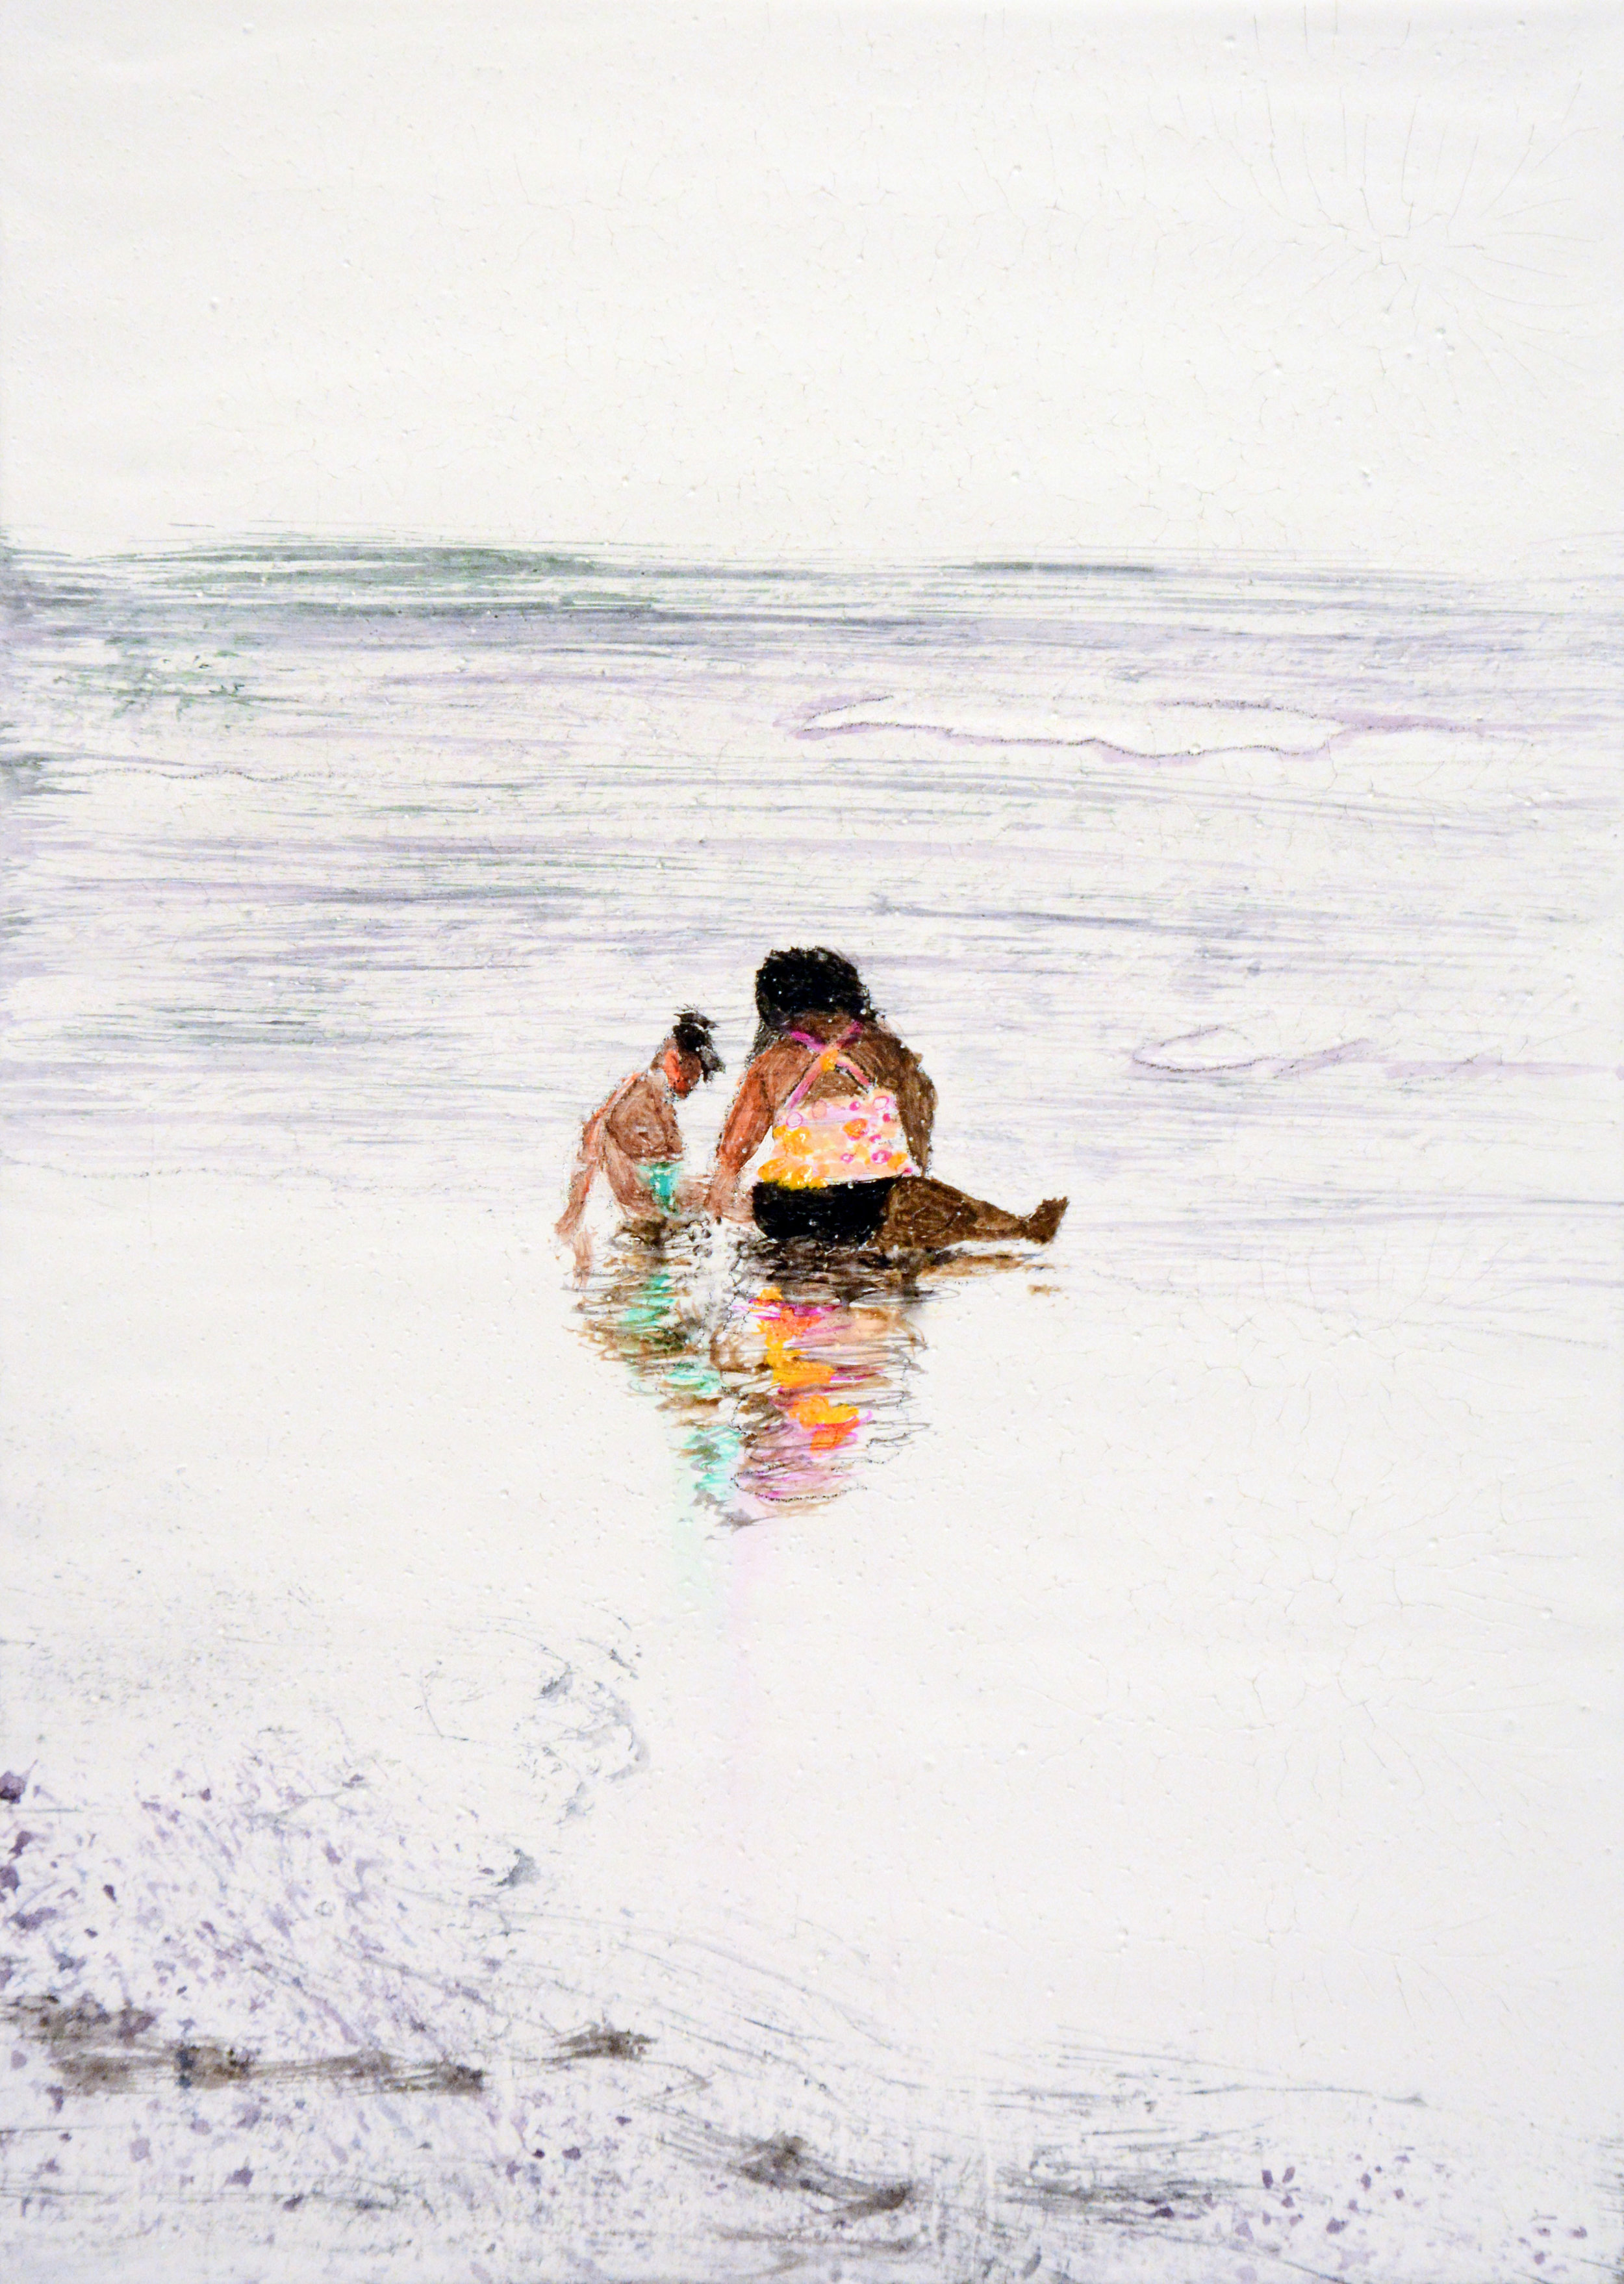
column 1097, row 1764
column 1090, row 1761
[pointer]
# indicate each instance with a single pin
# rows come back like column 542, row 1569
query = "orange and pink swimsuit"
column 855, row 1137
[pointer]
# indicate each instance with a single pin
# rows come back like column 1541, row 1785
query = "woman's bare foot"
column 1041, row 1225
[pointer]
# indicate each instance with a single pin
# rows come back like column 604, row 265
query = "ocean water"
column 718, row 1765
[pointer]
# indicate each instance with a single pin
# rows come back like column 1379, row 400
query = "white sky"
column 774, row 281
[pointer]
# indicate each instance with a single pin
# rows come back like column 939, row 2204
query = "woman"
column 849, row 1111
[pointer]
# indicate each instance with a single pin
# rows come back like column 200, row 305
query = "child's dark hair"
column 690, row 1034
column 808, row 981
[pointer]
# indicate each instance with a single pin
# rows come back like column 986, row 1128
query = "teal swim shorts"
column 661, row 1175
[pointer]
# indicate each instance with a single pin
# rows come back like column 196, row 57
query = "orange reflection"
column 832, row 1362
column 786, row 1373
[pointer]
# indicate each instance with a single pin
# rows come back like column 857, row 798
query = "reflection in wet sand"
column 788, row 1367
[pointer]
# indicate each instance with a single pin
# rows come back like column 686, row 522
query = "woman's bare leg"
column 924, row 1214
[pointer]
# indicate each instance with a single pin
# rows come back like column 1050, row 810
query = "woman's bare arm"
column 916, row 1102
column 758, row 1097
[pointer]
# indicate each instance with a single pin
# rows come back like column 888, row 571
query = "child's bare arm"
column 588, row 1164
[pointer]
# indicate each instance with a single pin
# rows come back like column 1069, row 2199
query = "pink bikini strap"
column 825, row 1048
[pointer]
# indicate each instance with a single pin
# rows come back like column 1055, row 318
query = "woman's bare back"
column 878, row 1053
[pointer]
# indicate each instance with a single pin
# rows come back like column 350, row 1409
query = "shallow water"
column 976, row 1724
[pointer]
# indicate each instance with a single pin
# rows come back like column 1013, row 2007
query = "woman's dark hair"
column 806, row 982
column 691, row 1035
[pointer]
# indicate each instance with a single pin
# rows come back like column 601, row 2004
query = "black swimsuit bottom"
column 841, row 1213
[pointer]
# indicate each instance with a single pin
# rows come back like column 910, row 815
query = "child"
column 633, row 1139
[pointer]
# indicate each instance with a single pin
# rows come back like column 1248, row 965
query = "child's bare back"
column 633, row 1138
